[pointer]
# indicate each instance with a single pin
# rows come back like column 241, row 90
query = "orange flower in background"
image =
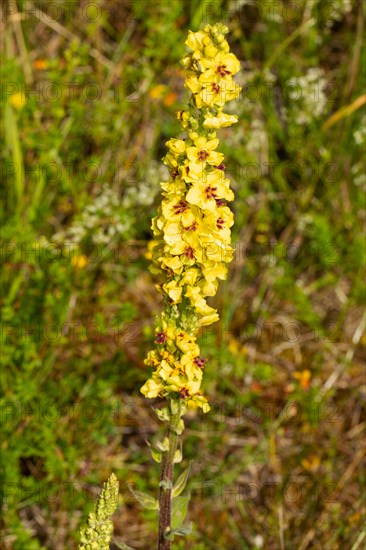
column 157, row 91
column 311, row 463
column 304, row 378
column 170, row 99
column 40, row 64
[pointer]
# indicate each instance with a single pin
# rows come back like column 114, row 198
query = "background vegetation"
column 89, row 96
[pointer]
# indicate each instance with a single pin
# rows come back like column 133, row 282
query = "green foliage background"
column 89, row 96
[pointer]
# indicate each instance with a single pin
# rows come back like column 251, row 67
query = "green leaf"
column 179, row 428
column 181, row 482
column 163, row 445
column 155, row 454
column 175, row 405
column 14, row 144
column 145, row 500
column 177, row 456
column 181, row 532
column 179, row 511
column 163, row 414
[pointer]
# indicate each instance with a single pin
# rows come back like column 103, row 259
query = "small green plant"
column 97, row 534
column 190, row 249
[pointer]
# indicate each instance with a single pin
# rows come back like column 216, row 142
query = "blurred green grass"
column 89, row 96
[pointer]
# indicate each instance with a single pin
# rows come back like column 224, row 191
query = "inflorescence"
column 191, row 245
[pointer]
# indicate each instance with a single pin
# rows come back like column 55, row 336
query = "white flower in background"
column 251, row 134
column 335, row 11
column 103, row 220
column 358, row 175
column 109, row 216
column 144, row 193
column 360, row 134
column 327, row 12
column 257, row 140
column 270, row 11
column 306, row 97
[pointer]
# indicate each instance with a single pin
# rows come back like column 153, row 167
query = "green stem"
column 165, row 491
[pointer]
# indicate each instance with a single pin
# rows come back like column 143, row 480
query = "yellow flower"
column 166, row 332
column 193, row 84
column 170, row 160
column 175, row 209
column 209, row 288
column 165, row 370
column 222, row 120
column 174, row 188
column 174, row 291
column 173, row 263
column 18, row 100
column 192, row 386
column 202, row 153
column 186, row 343
column 195, row 40
column 198, row 302
column 168, row 356
column 189, row 277
column 205, row 193
column 208, row 319
column 215, row 91
column 176, row 146
column 213, row 269
column 79, row 261
column 173, row 237
column 183, row 236
column 192, row 364
column 220, row 222
column 224, row 64
column 201, row 401
column 152, row 387
column 216, row 251
column 152, row 359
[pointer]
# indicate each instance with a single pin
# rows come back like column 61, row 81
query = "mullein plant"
column 189, row 253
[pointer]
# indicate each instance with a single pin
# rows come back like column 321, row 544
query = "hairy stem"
column 165, row 491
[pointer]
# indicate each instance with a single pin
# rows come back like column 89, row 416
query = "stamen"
column 200, row 362
column 191, row 227
column 203, row 155
column 160, row 337
column 189, row 252
column 210, row 192
column 184, row 393
column 222, row 70
column 180, row 207
column 220, row 202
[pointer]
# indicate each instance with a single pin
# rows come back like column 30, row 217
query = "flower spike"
column 191, row 245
